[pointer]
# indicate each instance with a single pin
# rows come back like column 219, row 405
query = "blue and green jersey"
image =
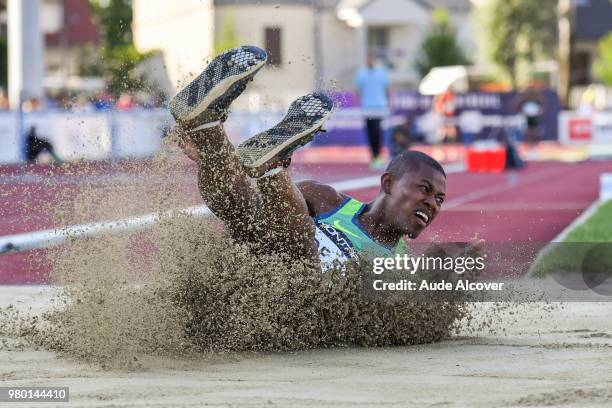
column 340, row 236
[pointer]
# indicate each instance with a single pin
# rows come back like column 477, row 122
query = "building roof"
column 78, row 27
column 592, row 19
column 320, row 3
column 453, row 6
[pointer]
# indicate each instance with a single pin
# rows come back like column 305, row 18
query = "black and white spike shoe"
column 267, row 152
column 207, row 98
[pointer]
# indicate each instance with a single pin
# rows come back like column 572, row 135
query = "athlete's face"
column 414, row 200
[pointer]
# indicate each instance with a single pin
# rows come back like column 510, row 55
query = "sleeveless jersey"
column 340, row 236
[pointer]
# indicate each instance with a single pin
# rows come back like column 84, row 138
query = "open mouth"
column 421, row 215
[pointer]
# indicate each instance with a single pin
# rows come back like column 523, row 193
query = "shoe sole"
column 305, row 117
column 215, row 81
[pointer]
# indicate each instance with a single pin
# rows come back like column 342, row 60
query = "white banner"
column 73, row 136
column 86, row 135
column 576, row 129
column 139, row 134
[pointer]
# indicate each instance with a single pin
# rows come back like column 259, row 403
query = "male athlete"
column 307, row 220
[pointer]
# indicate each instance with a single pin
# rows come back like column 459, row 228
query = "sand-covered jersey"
column 340, row 236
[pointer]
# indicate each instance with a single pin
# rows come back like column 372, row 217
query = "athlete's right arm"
column 319, row 198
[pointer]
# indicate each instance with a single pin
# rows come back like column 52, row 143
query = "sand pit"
column 537, row 355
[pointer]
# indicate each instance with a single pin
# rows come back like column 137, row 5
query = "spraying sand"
column 538, row 355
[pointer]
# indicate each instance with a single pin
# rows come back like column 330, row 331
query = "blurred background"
column 89, row 79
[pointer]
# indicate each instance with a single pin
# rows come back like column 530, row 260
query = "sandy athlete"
column 307, row 219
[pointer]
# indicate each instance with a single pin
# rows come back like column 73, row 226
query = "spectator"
column 4, row 104
column 125, row 102
column 102, row 101
column 30, row 104
column 82, row 104
column 372, row 83
column 403, row 136
column 35, row 146
column 531, row 105
column 443, row 106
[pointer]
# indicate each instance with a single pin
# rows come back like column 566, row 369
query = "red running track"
column 531, row 205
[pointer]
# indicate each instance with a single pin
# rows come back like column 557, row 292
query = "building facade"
column 313, row 44
column 71, row 40
column 181, row 30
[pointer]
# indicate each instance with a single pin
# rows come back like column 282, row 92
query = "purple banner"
column 478, row 115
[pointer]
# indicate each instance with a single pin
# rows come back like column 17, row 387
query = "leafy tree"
column 519, row 32
column 3, row 62
column 603, row 64
column 440, row 47
column 227, row 37
column 114, row 18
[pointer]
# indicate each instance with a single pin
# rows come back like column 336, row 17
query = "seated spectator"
column 4, row 104
column 102, row 101
column 35, row 146
column 125, row 102
column 403, row 136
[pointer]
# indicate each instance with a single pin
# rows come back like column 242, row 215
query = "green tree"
column 603, row 64
column 519, row 32
column 227, row 37
column 3, row 62
column 114, row 18
column 440, row 47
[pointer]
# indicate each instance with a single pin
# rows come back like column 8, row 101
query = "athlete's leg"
column 373, row 130
column 275, row 215
column 223, row 184
column 283, row 210
column 199, row 109
column 289, row 227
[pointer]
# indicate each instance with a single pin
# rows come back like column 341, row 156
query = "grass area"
column 597, row 228
column 568, row 257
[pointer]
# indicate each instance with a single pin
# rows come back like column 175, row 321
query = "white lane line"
column 592, row 209
column 66, row 179
column 595, row 205
column 374, row 181
column 578, row 206
column 46, row 238
column 475, row 195
column 51, row 237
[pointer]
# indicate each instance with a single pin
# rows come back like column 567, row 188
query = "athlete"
column 249, row 188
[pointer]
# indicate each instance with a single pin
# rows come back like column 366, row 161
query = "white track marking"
column 46, row 238
column 51, row 237
column 579, row 220
column 483, row 192
column 595, row 205
column 64, row 179
column 579, row 206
